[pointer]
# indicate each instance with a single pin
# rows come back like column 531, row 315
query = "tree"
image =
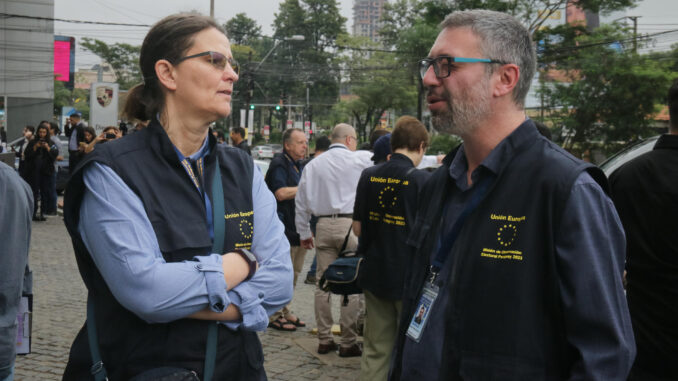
column 76, row 98
column 295, row 65
column 411, row 26
column 609, row 92
column 123, row 58
column 378, row 83
column 242, row 30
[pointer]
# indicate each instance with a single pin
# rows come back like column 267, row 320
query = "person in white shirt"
column 327, row 189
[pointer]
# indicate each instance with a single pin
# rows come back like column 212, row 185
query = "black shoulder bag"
column 341, row 276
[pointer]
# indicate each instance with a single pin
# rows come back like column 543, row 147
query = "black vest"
column 148, row 164
column 285, row 207
column 504, row 318
column 386, row 203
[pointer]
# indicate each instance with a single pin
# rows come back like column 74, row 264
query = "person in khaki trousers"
column 327, row 190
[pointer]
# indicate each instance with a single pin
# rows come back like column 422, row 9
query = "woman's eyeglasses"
column 217, row 60
column 443, row 66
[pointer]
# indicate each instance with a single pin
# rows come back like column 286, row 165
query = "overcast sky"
column 148, row 12
column 656, row 15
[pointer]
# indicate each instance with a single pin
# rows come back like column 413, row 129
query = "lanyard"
column 446, row 247
column 290, row 161
column 195, row 171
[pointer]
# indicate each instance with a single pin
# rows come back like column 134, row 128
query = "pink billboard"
column 64, row 57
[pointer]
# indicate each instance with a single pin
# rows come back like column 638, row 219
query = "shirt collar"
column 401, row 157
column 499, row 157
column 201, row 153
column 337, row 145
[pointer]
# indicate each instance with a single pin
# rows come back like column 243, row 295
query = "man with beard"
column 519, row 251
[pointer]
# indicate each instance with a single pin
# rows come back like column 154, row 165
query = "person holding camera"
column 109, row 133
column 40, row 155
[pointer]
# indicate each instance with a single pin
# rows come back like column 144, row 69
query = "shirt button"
column 261, row 295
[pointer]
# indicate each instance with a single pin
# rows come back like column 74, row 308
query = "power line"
column 13, row 15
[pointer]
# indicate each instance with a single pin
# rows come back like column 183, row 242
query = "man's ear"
column 506, row 79
column 164, row 70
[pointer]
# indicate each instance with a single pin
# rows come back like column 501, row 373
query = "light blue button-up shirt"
column 120, row 238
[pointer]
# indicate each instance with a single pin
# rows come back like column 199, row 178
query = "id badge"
column 422, row 313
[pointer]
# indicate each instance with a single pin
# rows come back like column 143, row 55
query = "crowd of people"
column 506, row 262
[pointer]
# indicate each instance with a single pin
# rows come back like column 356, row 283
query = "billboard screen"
column 64, row 59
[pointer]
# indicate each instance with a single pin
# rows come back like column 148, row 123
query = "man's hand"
column 307, row 243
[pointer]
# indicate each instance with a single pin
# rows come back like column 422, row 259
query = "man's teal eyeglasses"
column 443, row 66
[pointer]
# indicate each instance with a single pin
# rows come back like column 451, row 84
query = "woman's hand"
column 100, row 138
column 236, row 269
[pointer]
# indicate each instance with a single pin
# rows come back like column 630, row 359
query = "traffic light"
column 277, row 107
column 251, row 107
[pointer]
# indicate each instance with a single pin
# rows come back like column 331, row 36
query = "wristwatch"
column 250, row 259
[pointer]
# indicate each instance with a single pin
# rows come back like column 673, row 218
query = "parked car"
column 262, row 152
column 263, row 165
column 277, row 148
column 629, row 153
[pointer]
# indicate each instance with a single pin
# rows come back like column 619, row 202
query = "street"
column 59, row 312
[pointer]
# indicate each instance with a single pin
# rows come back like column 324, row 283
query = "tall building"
column 366, row 16
column 26, row 63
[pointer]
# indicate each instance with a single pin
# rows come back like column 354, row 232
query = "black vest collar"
column 165, row 147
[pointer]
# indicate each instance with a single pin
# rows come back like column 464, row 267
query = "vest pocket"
column 486, row 367
column 190, row 234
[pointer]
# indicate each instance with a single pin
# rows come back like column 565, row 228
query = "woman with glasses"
column 177, row 237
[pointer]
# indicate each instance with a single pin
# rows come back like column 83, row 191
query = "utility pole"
column 635, row 29
column 635, row 32
column 100, row 72
column 249, row 92
column 212, row 8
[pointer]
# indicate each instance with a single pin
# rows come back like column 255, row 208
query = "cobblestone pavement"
column 59, row 312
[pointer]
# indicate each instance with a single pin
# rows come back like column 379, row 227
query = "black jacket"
column 148, row 164
column 645, row 193
column 385, row 205
column 504, row 319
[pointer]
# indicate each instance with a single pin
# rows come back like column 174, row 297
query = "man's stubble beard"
column 464, row 112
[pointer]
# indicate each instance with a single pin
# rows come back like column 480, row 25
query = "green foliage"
column 610, row 95
column 242, row 30
column 442, row 144
column 275, row 136
column 77, row 98
column 123, row 58
column 378, row 83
